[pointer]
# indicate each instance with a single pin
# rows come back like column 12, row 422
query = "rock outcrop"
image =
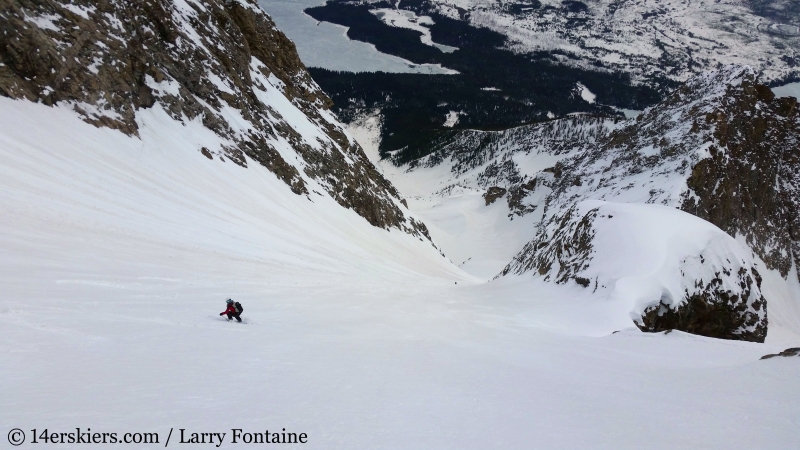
column 493, row 193
column 222, row 62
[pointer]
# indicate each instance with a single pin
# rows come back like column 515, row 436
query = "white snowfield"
column 117, row 253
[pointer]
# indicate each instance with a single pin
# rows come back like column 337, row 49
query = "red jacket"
column 231, row 309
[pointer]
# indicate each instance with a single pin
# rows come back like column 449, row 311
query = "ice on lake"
column 788, row 90
column 326, row 45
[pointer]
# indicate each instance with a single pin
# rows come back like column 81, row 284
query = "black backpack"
column 238, row 307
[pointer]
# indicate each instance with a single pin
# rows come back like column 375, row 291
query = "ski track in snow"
column 117, row 253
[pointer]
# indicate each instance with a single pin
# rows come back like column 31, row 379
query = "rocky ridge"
column 221, row 62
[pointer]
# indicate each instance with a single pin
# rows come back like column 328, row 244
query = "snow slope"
column 649, row 260
column 119, row 246
column 116, row 255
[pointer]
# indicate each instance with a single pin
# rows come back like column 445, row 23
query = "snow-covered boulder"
column 670, row 269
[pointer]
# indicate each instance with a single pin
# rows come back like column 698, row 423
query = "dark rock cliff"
column 206, row 59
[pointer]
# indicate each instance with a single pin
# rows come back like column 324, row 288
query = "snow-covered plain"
column 116, row 255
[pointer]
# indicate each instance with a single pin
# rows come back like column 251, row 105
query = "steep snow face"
column 221, row 62
column 670, row 269
column 649, row 39
column 98, row 202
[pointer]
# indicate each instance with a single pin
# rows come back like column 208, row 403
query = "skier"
column 234, row 310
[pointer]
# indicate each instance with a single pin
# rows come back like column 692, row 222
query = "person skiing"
column 232, row 311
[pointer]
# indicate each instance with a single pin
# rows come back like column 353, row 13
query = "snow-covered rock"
column 220, row 62
column 649, row 39
column 672, row 270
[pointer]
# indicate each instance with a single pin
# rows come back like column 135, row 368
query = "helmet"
column 229, row 301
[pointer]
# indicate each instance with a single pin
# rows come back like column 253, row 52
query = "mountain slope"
column 222, row 63
column 116, row 255
column 118, row 249
column 721, row 147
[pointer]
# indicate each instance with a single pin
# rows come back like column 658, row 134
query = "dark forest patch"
column 574, row 7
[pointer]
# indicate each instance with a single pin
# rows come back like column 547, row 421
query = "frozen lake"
column 788, row 90
column 323, row 44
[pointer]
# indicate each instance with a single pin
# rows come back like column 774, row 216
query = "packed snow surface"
column 117, row 253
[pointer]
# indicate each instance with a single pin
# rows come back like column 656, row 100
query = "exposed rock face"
column 673, row 270
column 222, row 62
column 493, row 193
column 563, row 252
column 789, row 352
